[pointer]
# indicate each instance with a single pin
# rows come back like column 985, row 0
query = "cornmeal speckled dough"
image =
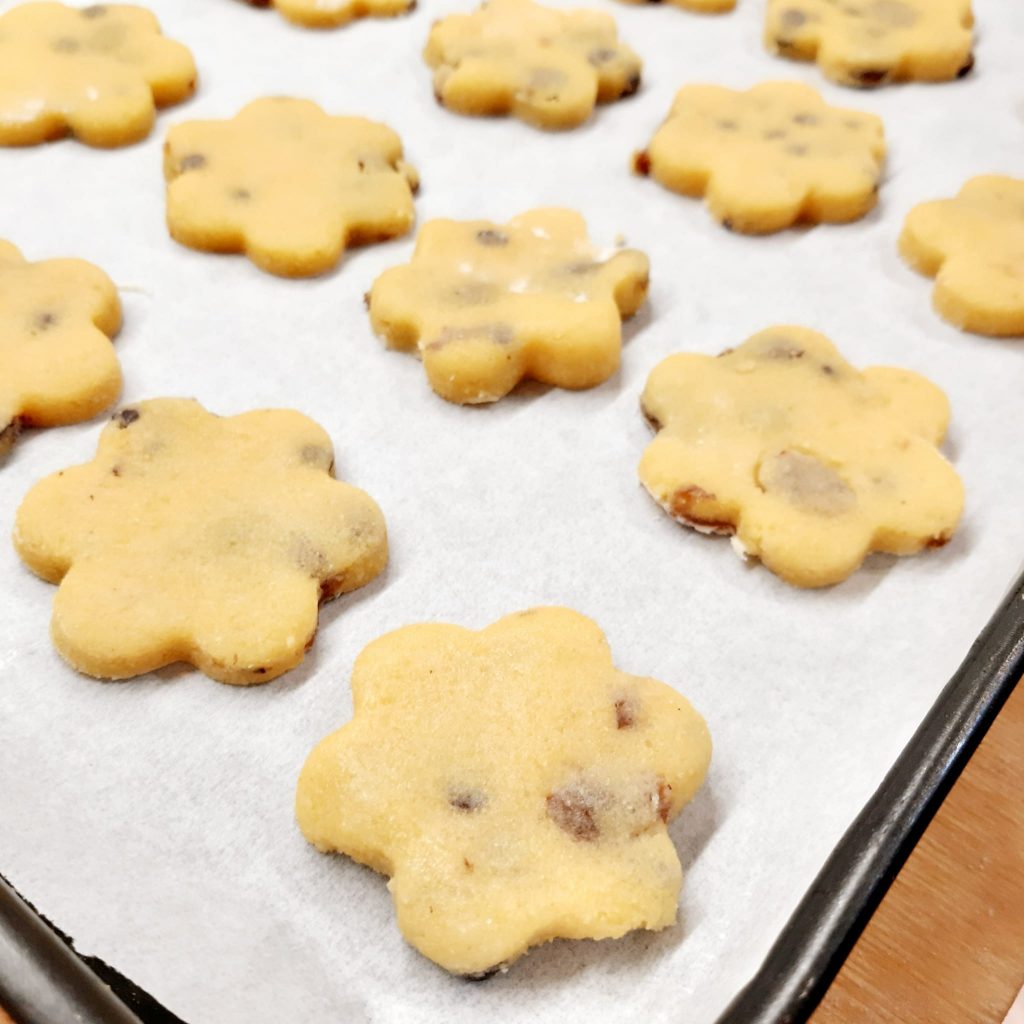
column 973, row 245
column 809, row 462
column 332, row 13
column 769, row 157
column 195, row 538
column 57, row 365
column 865, row 43
column 489, row 304
column 287, row 184
column 97, row 73
column 512, row 782
column 546, row 67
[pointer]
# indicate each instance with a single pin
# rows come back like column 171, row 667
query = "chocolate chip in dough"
column 490, row 237
column 467, row 800
column 573, row 808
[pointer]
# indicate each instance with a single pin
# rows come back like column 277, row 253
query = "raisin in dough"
column 332, row 13
column 973, row 245
column 548, row 68
column 513, row 784
column 489, row 304
column 286, row 184
column 865, row 43
column 56, row 362
column 811, row 463
column 769, row 157
column 97, row 73
column 195, row 538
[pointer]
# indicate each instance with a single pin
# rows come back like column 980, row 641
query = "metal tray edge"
column 829, row 919
column 43, row 979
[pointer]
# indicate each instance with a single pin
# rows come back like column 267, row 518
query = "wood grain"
column 947, row 944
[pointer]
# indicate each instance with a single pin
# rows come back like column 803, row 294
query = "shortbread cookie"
column 865, row 43
column 97, row 73
column 199, row 539
column 332, row 13
column 810, row 463
column 547, row 67
column 769, row 157
column 513, row 783
column 287, row 185
column 973, row 246
column 489, row 304
column 56, row 361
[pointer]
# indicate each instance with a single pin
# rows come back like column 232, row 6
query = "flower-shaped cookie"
column 200, row 539
column 865, row 43
column 331, row 13
column 56, row 361
column 769, row 157
column 973, row 246
column 512, row 782
column 489, row 304
column 547, row 67
column 97, row 73
column 286, row 184
column 810, row 463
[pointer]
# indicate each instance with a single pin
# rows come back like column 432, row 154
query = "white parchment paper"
column 152, row 819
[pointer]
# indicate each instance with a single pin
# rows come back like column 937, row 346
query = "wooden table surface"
column 946, row 946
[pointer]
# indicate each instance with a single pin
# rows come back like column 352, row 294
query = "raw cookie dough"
column 331, row 13
column 512, row 782
column 809, row 462
column 769, row 157
column 56, row 361
column 97, row 73
column 199, row 539
column 548, row 68
column 286, row 184
column 489, row 304
column 865, row 43
column 973, row 246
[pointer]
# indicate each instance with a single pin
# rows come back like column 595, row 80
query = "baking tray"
column 710, row 289
column 43, row 982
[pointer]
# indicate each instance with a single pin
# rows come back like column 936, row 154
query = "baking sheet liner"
column 152, row 819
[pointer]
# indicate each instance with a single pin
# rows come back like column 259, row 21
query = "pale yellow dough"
column 546, row 67
column 973, row 246
column 512, row 782
column 866, row 43
column 56, row 362
column 286, row 184
column 769, row 157
column 332, row 13
column 97, row 73
column 809, row 462
column 199, row 539
column 489, row 304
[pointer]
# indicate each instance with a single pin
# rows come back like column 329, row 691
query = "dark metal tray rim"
column 43, row 980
